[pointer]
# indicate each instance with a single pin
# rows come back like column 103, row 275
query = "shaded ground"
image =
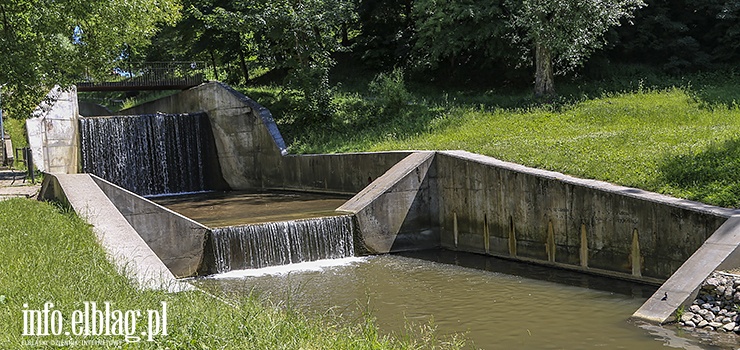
column 14, row 183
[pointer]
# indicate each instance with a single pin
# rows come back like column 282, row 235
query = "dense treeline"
column 499, row 43
column 442, row 39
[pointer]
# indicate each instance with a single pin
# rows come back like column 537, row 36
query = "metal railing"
column 150, row 75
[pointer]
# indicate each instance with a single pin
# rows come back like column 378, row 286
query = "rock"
column 730, row 327
column 715, row 325
column 694, row 308
column 731, row 314
column 697, row 319
column 736, row 297
column 709, row 298
column 711, row 283
column 702, row 324
column 725, row 320
column 721, row 289
column 715, row 309
column 706, row 306
column 709, row 316
column 690, row 324
column 687, row 316
column 722, row 312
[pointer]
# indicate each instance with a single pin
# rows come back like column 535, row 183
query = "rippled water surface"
column 495, row 303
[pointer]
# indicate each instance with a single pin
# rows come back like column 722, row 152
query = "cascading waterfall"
column 147, row 154
column 280, row 243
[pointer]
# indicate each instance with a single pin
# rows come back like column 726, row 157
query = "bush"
column 389, row 91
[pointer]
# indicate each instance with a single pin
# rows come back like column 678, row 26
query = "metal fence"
column 150, row 76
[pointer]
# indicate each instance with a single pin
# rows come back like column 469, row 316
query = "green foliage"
column 469, row 32
column 389, row 91
column 61, row 42
column 297, row 36
column 679, row 312
column 565, row 33
column 570, row 29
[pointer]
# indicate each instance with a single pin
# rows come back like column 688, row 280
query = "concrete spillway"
column 148, row 154
column 281, row 243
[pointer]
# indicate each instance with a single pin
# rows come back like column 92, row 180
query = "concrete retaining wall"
column 504, row 209
column 53, row 133
column 244, row 131
column 177, row 240
column 126, row 249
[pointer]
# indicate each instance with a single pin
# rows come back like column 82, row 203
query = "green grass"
column 17, row 131
column 674, row 135
column 51, row 255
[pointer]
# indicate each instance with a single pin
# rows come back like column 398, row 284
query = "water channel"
column 493, row 303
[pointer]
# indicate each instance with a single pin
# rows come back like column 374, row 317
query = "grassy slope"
column 48, row 255
column 677, row 136
column 661, row 141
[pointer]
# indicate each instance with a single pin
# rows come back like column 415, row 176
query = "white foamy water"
column 316, row 265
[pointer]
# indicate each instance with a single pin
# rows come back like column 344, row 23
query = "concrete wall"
column 720, row 252
column 177, row 240
column 244, row 131
column 126, row 249
column 251, row 150
column 53, row 133
column 398, row 210
column 493, row 207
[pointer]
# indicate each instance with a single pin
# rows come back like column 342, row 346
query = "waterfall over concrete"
column 280, row 243
column 148, row 154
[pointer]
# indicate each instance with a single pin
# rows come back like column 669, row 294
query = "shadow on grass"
column 711, row 176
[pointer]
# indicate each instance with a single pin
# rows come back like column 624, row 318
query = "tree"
column 43, row 43
column 462, row 37
column 564, row 33
column 295, row 35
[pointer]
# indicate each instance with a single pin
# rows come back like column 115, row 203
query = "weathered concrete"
column 720, row 251
column 126, row 249
column 252, row 153
column 53, row 133
column 346, row 173
column 244, row 131
column 494, row 207
column 178, row 241
column 90, row 109
column 396, row 212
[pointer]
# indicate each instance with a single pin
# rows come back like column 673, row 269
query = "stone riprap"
column 717, row 307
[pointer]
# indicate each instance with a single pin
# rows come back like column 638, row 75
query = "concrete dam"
column 213, row 138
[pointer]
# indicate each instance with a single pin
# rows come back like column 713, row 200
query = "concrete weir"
column 457, row 200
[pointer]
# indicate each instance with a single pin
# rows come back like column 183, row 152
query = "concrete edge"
column 267, row 119
column 123, row 245
column 385, row 182
column 177, row 240
column 595, row 184
column 720, row 250
column 144, row 199
column 384, row 209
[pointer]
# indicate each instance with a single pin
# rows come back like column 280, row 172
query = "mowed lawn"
column 669, row 141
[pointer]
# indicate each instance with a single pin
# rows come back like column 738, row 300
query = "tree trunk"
column 543, row 79
column 213, row 62
column 243, row 64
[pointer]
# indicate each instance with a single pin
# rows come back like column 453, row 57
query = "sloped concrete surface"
column 127, row 250
column 395, row 212
column 720, row 251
